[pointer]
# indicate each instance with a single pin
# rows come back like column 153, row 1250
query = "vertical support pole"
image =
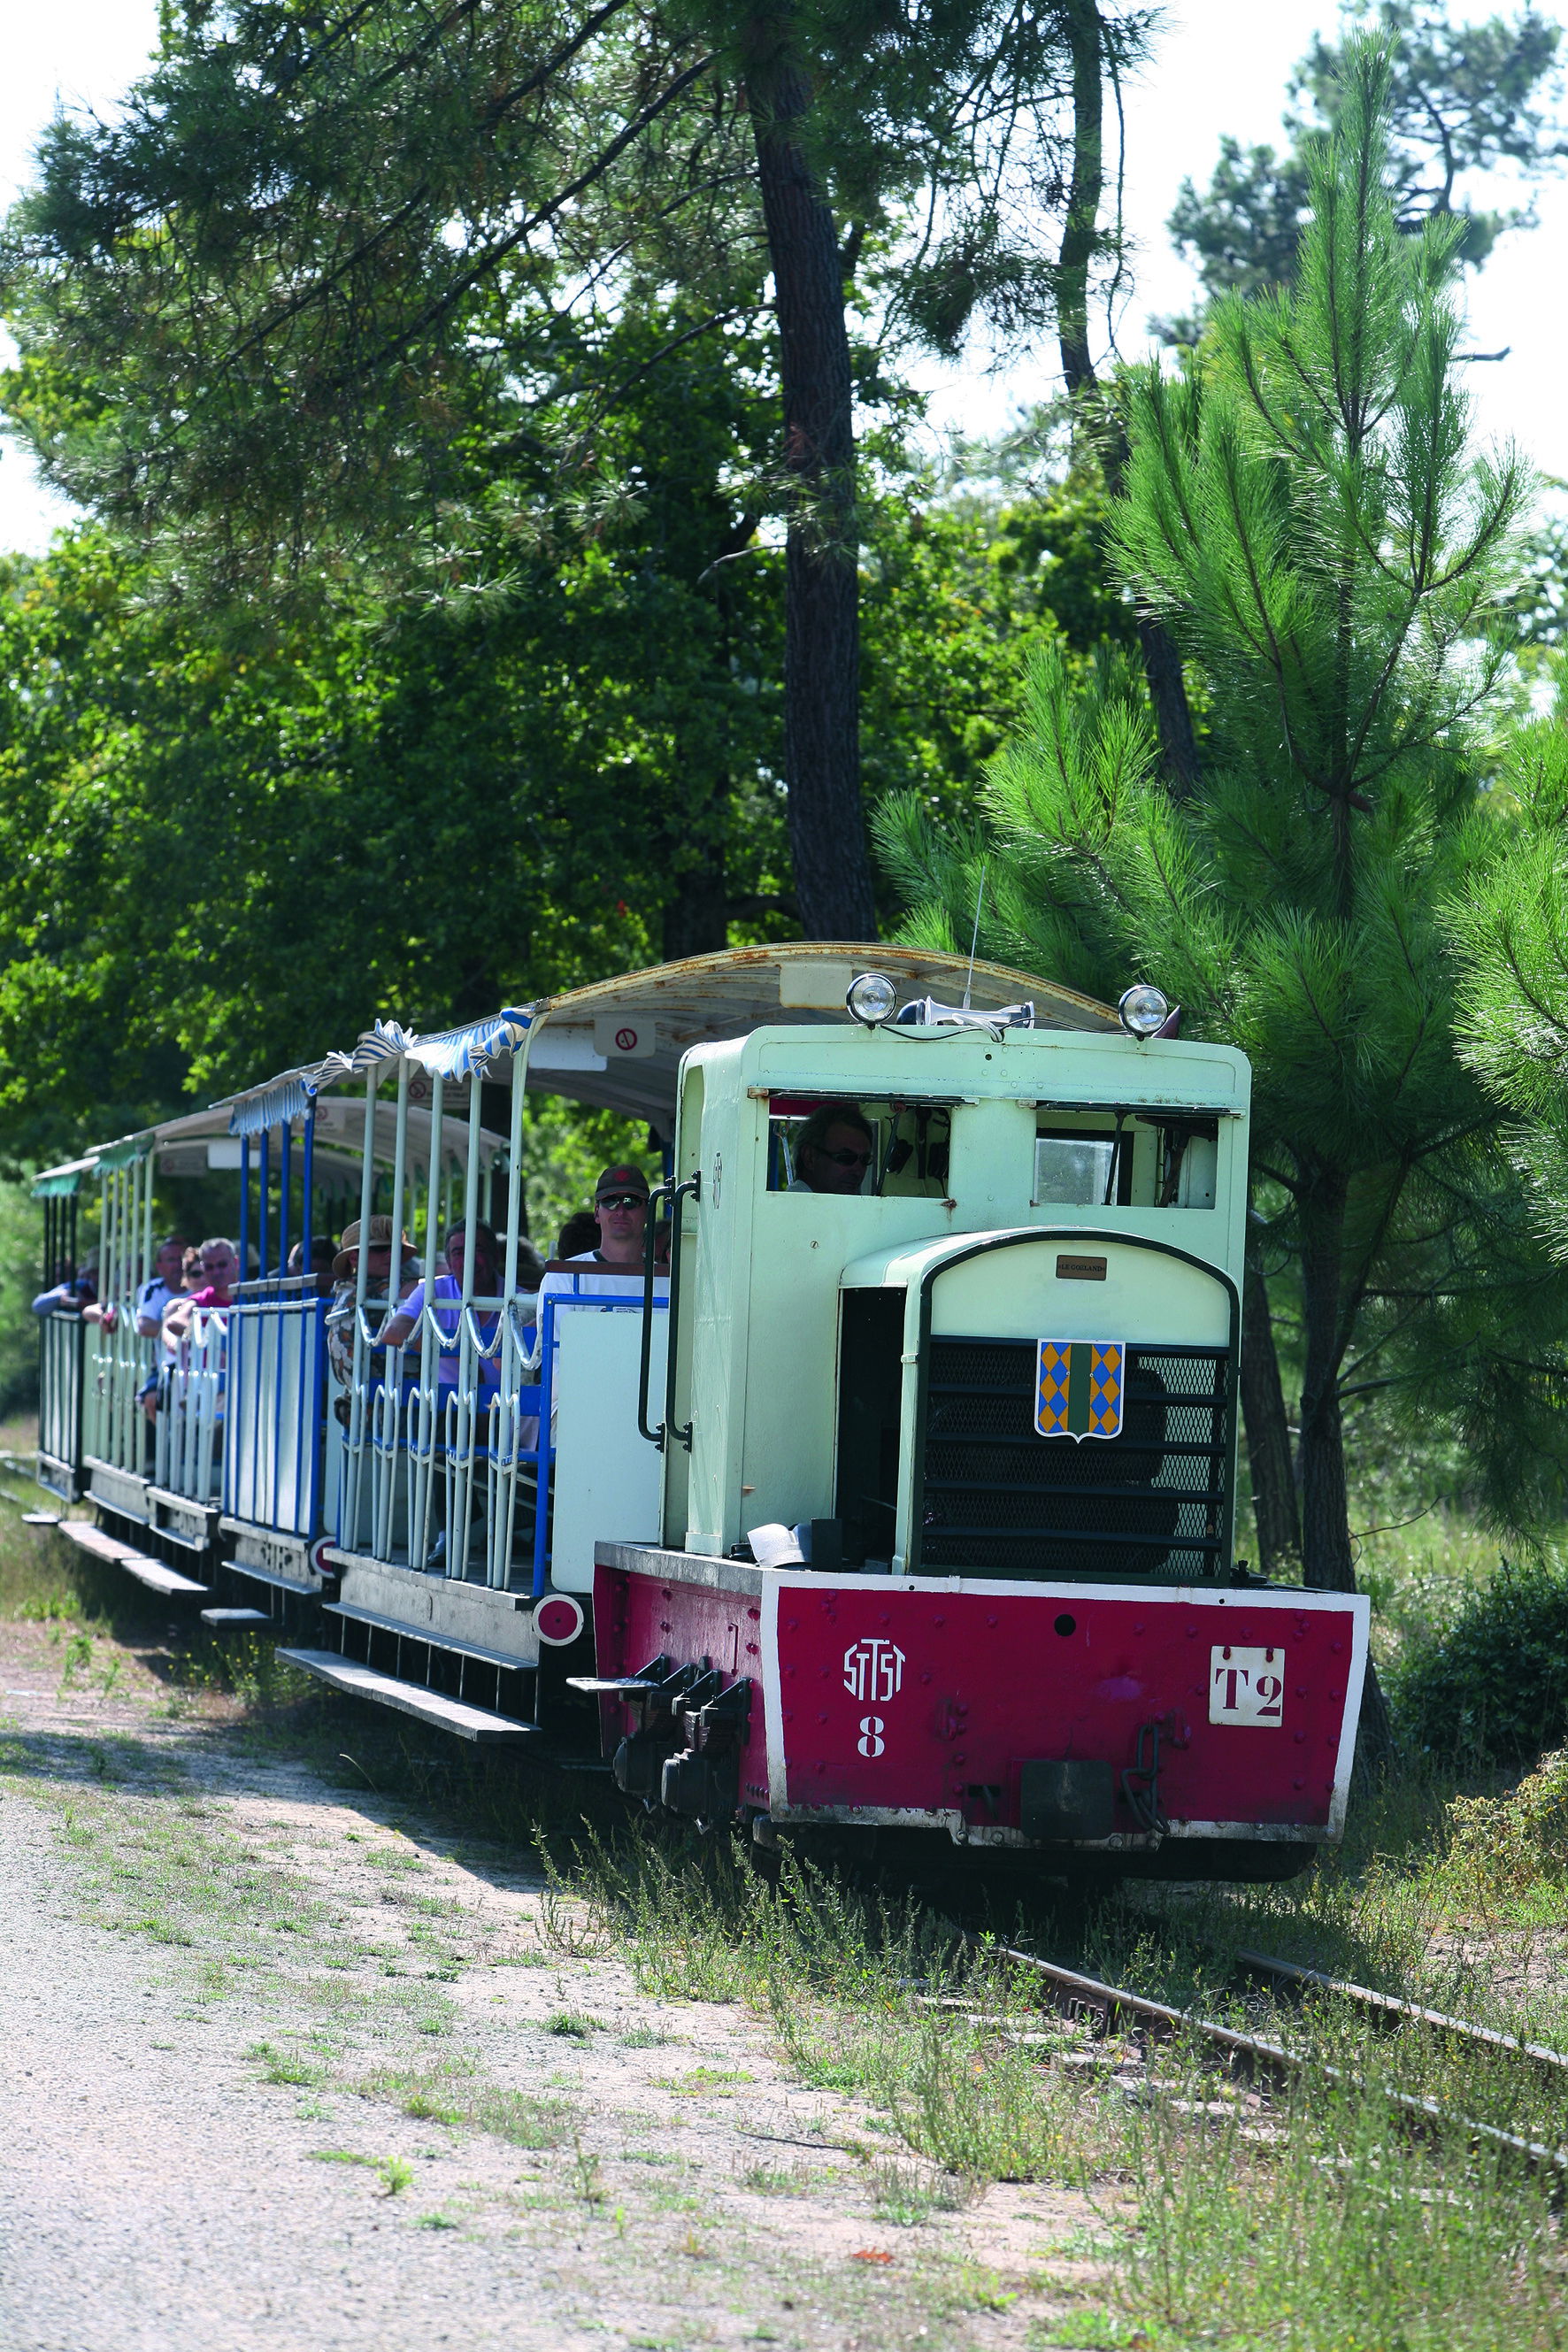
column 243, row 1244
column 360, row 1401
column 432, row 1419
column 470, row 1363
column 261, row 1202
column 307, row 1179
column 144, row 1352
column 510, row 1363
column 285, row 1184
column 394, row 1424
column 305, row 1328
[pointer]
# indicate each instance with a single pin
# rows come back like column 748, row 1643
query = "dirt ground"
column 287, row 2067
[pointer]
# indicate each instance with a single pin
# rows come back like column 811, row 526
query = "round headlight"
column 1143, row 1011
column 871, row 997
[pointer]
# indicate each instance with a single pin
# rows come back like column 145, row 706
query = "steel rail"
column 1081, row 1997
column 1386, row 2009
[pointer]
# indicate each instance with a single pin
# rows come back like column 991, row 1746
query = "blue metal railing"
column 277, row 1372
column 407, row 1430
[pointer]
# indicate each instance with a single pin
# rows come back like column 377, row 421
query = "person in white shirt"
column 164, row 1285
column 614, row 1270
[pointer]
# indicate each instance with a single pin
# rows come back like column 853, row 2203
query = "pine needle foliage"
column 1304, row 509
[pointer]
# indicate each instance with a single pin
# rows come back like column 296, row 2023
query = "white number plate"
column 1246, row 1686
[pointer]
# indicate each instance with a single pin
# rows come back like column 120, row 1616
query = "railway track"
column 1105, row 2009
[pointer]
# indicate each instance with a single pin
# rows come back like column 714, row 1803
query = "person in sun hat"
column 380, row 1285
column 345, row 1264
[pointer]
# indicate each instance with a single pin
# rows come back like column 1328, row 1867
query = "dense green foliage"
column 228, row 848
column 1492, row 1687
column 352, row 249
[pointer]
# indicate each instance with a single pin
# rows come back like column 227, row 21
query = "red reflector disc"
column 558, row 1619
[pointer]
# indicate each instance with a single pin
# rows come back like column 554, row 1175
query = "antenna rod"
column 974, row 935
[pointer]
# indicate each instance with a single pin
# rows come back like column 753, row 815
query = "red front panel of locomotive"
column 637, row 1617
column 898, row 1699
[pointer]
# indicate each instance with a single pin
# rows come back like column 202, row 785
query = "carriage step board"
column 236, row 1617
column 454, row 1714
column 40, row 1518
column 435, row 1637
column 151, row 1572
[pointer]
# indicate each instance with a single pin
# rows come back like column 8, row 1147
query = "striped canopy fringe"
column 459, row 1053
column 288, row 1097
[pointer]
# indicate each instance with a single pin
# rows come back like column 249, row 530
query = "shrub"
column 1514, row 1841
column 1492, row 1688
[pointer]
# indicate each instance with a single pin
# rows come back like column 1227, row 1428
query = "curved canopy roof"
column 200, row 1140
column 618, row 1044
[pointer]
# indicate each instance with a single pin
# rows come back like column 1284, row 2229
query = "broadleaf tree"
column 327, row 267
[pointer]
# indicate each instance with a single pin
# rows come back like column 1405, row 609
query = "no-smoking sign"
column 616, row 1036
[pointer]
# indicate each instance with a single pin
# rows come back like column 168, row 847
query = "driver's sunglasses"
column 848, row 1159
column 623, row 1200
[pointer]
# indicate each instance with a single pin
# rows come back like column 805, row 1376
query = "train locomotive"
column 904, row 1508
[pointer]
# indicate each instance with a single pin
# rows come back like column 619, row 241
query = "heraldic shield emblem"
column 1079, row 1387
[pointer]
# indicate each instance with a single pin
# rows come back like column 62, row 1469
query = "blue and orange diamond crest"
column 1079, row 1387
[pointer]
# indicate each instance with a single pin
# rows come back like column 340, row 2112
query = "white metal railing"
column 116, row 1361
column 60, row 1397
column 191, row 1403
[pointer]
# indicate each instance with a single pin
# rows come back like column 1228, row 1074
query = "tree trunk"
column 1080, row 242
column 1325, row 1510
column 822, row 620
column 1327, row 1561
column 1274, row 1507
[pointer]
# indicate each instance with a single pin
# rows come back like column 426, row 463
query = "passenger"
column 158, row 1294
column 620, row 1200
column 322, row 1255
column 152, row 1297
column 834, row 1152
column 191, row 1269
column 220, row 1266
column 579, row 1234
column 403, row 1330
column 378, row 1287
column 75, row 1293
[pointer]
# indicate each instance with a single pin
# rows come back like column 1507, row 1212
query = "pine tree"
column 1464, row 99
column 1302, row 509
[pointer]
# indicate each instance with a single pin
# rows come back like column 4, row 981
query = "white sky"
column 1219, row 65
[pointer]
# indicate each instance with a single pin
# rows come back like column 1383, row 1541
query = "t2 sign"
column 1245, row 1685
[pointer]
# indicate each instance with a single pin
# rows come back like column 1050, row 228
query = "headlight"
column 1143, row 1011
column 871, row 997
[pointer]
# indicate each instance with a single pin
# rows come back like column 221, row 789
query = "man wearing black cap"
column 620, row 1204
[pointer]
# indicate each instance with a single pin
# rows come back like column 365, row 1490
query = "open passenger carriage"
column 908, row 1506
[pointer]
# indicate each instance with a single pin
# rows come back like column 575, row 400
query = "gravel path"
column 286, row 2068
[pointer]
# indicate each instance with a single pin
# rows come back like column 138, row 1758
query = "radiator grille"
column 1151, row 1502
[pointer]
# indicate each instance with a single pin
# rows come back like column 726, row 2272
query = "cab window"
column 1103, row 1158
column 868, row 1148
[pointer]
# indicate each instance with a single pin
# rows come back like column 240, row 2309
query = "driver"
column 834, row 1151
